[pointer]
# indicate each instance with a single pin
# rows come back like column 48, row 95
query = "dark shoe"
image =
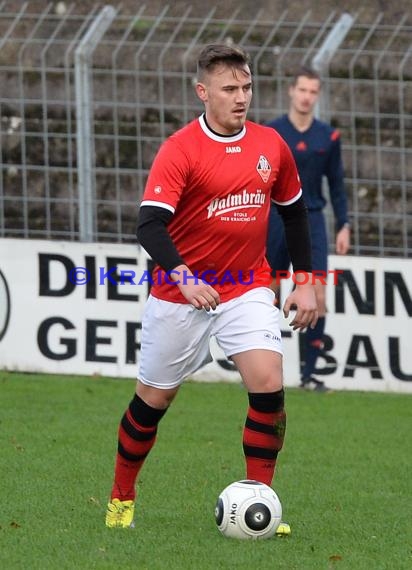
column 313, row 384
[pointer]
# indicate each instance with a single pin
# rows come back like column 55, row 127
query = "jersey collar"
column 220, row 138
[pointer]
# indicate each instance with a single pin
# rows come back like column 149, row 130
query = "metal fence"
column 88, row 95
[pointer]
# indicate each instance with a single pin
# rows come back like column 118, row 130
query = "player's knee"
column 156, row 397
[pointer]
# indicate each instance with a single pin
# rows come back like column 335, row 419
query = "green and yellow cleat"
column 120, row 514
column 283, row 529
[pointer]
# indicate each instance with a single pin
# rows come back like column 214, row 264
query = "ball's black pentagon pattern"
column 219, row 511
column 257, row 516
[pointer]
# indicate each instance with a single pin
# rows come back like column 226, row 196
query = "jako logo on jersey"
column 232, row 202
column 263, row 167
column 233, row 149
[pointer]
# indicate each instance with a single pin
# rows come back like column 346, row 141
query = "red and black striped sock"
column 137, row 435
column 263, row 434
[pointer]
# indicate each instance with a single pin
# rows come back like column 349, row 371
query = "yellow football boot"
column 120, row 514
column 283, row 529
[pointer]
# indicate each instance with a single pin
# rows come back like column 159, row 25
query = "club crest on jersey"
column 263, row 167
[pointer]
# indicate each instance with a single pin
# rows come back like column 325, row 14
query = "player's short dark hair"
column 215, row 54
column 305, row 71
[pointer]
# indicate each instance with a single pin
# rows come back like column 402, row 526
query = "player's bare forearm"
column 198, row 293
column 303, row 300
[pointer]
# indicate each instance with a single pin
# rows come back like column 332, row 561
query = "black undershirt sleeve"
column 295, row 219
column 153, row 236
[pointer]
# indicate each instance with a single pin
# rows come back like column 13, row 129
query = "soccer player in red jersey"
column 203, row 220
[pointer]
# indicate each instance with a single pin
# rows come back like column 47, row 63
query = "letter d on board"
column 45, row 262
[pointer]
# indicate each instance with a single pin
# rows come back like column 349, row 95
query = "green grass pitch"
column 344, row 479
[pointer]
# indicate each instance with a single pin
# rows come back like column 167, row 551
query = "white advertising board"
column 74, row 308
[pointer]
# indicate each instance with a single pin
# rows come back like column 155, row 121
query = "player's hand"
column 197, row 292
column 201, row 295
column 303, row 300
column 343, row 241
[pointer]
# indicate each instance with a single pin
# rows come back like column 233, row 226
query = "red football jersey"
column 219, row 189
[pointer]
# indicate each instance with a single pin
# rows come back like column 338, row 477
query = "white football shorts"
column 175, row 338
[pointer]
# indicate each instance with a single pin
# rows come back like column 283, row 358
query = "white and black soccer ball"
column 248, row 509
